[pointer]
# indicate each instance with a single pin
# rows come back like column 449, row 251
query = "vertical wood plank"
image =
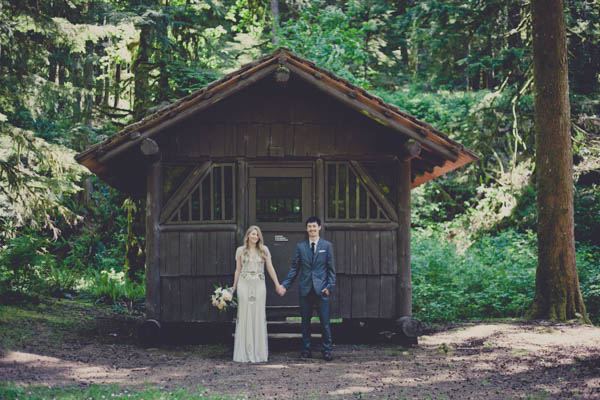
column 173, row 254
column 203, row 304
column 210, row 250
column 230, row 148
column 373, row 295
column 394, row 253
column 171, row 304
column 320, row 191
column 164, row 252
column 374, row 267
column 222, row 252
column 288, row 140
column 197, row 294
column 327, row 139
column 251, row 139
column 187, row 298
column 341, row 265
column 300, row 140
column 356, row 251
column 185, row 251
column 263, row 140
column 241, row 200
column 385, row 244
column 198, row 254
column 387, row 299
column 359, row 296
column 277, row 130
column 217, row 140
column 345, row 295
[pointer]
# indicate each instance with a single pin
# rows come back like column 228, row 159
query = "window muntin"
column 211, row 200
column 348, row 199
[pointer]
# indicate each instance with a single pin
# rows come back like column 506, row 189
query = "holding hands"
column 280, row 289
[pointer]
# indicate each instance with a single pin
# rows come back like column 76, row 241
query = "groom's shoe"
column 305, row 354
column 327, row 356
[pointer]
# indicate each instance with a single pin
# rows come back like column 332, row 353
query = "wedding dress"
column 251, row 343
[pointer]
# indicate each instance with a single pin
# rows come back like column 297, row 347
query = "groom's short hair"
column 313, row 219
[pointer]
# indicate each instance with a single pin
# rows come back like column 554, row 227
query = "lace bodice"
column 253, row 266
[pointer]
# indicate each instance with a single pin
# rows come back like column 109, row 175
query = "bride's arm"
column 271, row 270
column 238, row 270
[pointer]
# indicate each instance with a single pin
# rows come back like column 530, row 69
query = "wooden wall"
column 366, row 268
column 266, row 121
column 191, row 263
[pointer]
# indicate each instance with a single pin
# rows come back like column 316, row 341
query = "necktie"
column 312, row 247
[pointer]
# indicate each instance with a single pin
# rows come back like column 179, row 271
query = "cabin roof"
column 439, row 154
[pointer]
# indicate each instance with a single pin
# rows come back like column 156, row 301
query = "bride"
column 251, row 343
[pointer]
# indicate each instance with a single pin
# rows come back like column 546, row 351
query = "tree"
column 557, row 294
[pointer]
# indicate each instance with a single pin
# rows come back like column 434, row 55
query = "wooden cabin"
column 271, row 144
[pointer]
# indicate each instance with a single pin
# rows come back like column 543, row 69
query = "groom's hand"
column 281, row 290
column 325, row 291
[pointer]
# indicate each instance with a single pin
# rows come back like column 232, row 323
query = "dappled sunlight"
column 274, row 366
column 352, row 390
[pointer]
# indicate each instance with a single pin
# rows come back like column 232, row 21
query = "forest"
column 72, row 248
column 74, row 72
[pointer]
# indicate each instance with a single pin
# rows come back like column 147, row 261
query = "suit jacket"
column 315, row 269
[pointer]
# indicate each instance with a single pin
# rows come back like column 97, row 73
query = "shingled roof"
column 439, row 154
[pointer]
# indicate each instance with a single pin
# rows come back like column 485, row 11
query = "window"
column 348, row 198
column 278, row 199
column 211, row 200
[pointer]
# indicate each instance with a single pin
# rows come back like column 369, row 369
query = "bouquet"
column 223, row 298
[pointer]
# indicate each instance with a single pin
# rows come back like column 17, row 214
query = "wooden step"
column 290, row 326
column 284, row 336
column 281, row 312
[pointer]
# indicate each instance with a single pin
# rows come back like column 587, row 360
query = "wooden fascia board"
column 343, row 94
column 444, row 169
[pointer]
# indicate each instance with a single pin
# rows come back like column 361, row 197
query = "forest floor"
column 71, row 343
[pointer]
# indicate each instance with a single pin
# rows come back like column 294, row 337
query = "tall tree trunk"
column 275, row 27
column 557, row 294
column 141, row 73
column 117, row 85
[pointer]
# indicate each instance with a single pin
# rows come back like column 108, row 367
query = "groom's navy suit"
column 317, row 272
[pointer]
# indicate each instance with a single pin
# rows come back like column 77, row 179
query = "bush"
column 113, row 288
column 24, row 263
column 588, row 268
column 495, row 277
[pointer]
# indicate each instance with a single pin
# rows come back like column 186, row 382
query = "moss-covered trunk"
column 557, row 294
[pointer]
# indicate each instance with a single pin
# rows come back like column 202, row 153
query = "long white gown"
column 251, row 343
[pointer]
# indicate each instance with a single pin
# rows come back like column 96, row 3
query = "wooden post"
column 320, row 192
column 153, row 202
column 242, row 201
column 403, row 279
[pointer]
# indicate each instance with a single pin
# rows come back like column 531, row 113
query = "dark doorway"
column 280, row 200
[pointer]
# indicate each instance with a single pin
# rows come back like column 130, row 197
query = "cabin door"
column 280, row 200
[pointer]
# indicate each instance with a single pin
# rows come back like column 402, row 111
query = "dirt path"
column 482, row 361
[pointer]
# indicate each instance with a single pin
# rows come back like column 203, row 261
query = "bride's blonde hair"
column 259, row 245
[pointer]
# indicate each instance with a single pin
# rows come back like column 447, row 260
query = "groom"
column 314, row 261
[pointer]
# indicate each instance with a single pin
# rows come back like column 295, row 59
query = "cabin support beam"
column 153, row 202
column 403, row 279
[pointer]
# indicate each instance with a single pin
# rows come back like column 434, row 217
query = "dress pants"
column 321, row 303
